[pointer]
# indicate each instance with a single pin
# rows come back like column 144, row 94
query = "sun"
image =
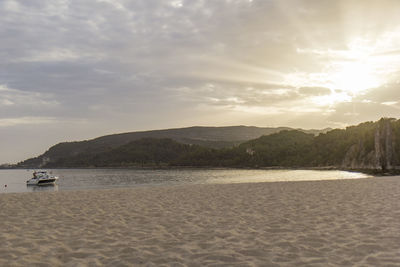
column 348, row 72
column 355, row 70
column 354, row 77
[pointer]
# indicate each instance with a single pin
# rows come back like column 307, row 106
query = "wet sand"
column 320, row 223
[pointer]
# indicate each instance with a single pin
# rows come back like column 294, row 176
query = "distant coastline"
column 369, row 147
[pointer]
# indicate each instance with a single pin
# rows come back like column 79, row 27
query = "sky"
column 78, row 69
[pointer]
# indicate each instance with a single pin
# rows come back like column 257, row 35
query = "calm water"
column 75, row 179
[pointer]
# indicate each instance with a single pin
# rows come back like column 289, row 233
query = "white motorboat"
column 42, row 178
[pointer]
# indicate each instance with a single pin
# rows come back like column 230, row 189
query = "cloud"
column 315, row 91
column 231, row 94
column 14, row 102
column 355, row 112
column 6, row 122
column 133, row 65
column 386, row 93
column 54, row 55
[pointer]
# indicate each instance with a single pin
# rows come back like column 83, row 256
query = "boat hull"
column 51, row 181
column 42, row 182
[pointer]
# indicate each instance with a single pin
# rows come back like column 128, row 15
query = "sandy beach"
column 320, row 223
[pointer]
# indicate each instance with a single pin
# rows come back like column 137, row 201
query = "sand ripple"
column 325, row 223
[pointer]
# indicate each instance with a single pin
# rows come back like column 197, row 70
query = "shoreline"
column 373, row 172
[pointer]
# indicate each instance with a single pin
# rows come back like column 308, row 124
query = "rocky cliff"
column 382, row 157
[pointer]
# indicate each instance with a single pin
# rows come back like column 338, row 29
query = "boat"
column 42, row 178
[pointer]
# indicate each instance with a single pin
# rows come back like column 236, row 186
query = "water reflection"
column 77, row 179
column 41, row 188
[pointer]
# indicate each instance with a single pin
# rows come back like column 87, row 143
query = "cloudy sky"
column 78, row 69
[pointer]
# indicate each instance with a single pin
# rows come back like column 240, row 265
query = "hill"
column 369, row 145
column 210, row 137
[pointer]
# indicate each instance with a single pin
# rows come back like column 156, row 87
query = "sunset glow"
column 354, row 77
column 100, row 67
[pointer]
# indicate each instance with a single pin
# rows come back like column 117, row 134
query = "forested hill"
column 369, row 145
column 211, row 137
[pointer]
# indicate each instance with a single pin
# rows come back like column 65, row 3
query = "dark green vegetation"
column 210, row 137
column 370, row 145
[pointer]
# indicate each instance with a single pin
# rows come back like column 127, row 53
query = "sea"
column 14, row 181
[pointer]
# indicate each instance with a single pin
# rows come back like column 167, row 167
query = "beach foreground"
column 322, row 223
